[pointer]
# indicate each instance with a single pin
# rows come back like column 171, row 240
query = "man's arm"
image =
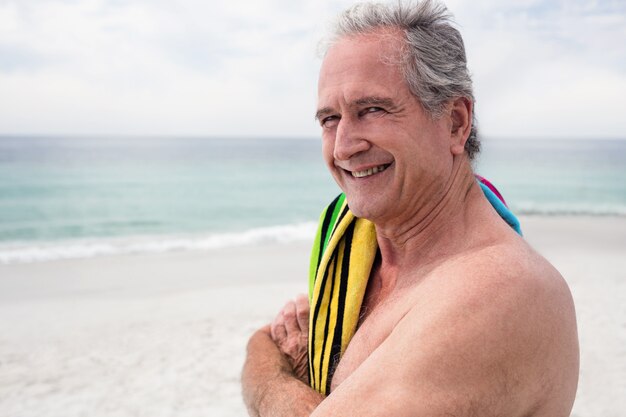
column 270, row 388
column 274, row 378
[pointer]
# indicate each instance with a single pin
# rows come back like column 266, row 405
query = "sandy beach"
column 164, row 334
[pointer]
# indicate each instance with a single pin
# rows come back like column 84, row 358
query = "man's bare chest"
column 378, row 319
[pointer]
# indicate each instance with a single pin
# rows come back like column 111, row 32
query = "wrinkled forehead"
column 362, row 62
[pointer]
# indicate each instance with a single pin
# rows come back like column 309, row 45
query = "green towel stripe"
column 316, row 253
column 327, row 223
column 335, row 218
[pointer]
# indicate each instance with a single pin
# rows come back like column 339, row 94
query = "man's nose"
column 349, row 140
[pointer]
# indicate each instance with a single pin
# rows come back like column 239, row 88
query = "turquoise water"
column 579, row 177
column 80, row 196
column 59, row 188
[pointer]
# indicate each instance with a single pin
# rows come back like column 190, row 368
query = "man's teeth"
column 368, row 172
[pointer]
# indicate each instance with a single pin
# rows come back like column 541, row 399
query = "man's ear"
column 461, row 123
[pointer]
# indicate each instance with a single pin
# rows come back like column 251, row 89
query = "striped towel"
column 341, row 261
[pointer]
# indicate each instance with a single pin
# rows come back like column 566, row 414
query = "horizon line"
column 271, row 137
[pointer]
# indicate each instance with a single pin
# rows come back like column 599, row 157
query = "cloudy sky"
column 249, row 67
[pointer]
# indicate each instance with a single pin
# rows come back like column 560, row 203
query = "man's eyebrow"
column 323, row 112
column 374, row 101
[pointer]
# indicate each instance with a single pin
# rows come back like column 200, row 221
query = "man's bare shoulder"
column 505, row 266
column 508, row 278
column 505, row 319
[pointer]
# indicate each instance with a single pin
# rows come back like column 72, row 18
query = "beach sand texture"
column 165, row 334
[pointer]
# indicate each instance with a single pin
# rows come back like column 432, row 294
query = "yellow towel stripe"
column 364, row 247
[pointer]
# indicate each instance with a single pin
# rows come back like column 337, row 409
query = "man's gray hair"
column 433, row 58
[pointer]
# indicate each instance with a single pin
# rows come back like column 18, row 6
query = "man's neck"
column 435, row 232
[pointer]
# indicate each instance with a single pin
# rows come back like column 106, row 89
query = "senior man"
column 424, row 302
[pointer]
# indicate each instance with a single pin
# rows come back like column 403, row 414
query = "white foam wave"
column 81, row 249
column 30, row 253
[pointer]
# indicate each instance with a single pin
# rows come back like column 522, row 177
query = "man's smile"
column 369, row 171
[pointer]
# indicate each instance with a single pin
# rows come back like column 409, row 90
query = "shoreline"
column 74, row 249
column 165, row 333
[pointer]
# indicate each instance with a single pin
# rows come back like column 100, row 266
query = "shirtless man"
column 461, row 317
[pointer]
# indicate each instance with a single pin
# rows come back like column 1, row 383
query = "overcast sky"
column 249, row 67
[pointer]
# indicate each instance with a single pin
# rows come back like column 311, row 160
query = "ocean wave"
column 33, row 252
column 43, row 252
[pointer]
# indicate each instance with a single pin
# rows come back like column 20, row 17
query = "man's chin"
column 362, row 207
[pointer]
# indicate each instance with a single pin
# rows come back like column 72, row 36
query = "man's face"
column 384, row 151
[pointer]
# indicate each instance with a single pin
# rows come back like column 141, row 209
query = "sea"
column 74, row 197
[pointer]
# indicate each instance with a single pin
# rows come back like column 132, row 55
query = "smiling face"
column 385, row 152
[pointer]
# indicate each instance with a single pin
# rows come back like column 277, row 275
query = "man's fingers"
column 292, row 321
column 302, row 312
column 277, row 328
column 289, row 314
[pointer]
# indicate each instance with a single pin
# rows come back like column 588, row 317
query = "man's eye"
column 329, row 121
column 370, row 110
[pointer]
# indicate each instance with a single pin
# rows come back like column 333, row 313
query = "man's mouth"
column 370, row 171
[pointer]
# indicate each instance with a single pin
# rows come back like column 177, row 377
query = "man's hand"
column 290, row 332
column 275, row 375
